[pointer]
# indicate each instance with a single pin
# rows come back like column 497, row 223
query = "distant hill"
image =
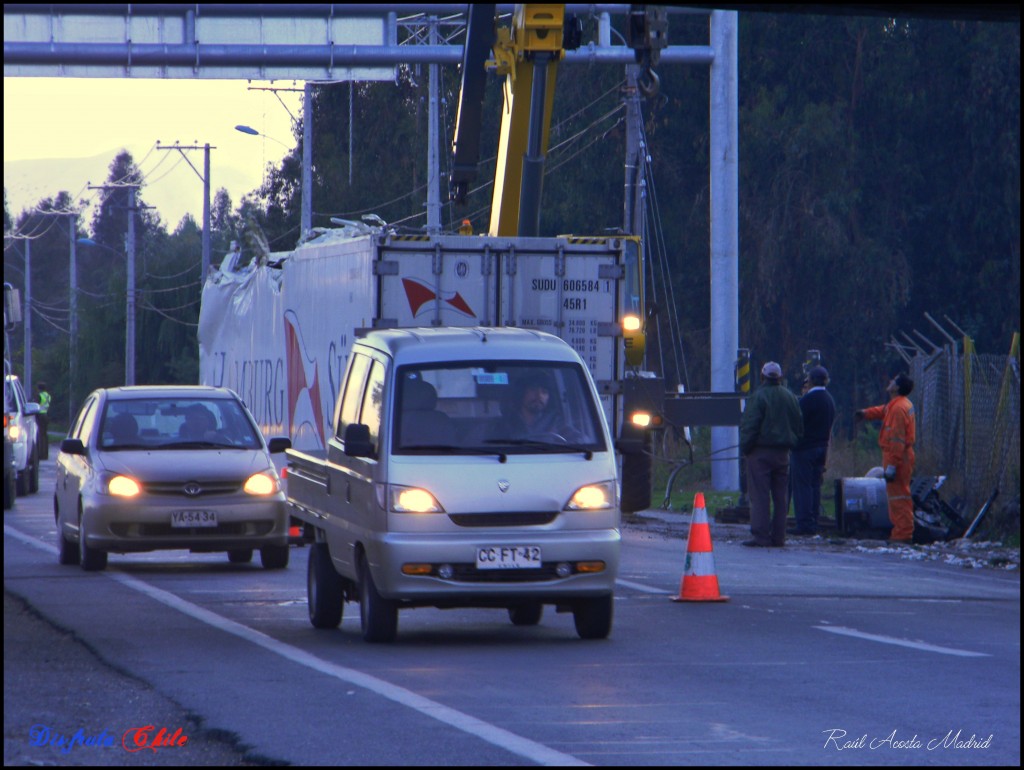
column 173, row 190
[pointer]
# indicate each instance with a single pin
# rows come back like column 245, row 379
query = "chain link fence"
column 968, row 421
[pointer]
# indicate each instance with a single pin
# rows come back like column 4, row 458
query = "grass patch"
column 681, row 471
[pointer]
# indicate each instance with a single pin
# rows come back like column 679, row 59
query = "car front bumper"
column 112, row 524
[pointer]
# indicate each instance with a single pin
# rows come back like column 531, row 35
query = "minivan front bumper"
column 469, row 586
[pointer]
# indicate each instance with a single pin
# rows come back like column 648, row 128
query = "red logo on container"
column 419, row 294
column 303, row 375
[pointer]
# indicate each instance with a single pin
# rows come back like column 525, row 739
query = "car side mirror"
column 72, row 446
column 357, row 441
column 31, row 407
column 279, row 444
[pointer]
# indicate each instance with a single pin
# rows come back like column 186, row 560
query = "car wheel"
column 68, row 553
column 240, row 555
column 274, row 556
column 22, row 483
column 593, row 617
column 33, row 479
column 9, row 483
column 379, row 616
column 526, row 614
column 325, row 593
column 90, row 559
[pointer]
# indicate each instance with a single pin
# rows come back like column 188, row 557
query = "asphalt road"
column 822, row 647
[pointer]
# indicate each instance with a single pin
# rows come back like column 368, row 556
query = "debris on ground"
column 965, row 554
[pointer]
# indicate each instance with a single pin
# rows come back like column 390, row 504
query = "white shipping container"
column 279, row 334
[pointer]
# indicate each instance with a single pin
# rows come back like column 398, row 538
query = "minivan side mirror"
column 72, row 446
column 279, row 444
column 31, row 407
column 357, row 441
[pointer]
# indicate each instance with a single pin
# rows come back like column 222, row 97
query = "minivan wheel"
column 274, row 556
column 379, row 616
column 593, row 617
column 526, row 614
column 9, row 484
column 325, row 594
column 90, row 559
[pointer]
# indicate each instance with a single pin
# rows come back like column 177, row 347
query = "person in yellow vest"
column 897, row 438
column 43, row 418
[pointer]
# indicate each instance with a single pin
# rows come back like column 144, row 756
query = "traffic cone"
column 699, row 582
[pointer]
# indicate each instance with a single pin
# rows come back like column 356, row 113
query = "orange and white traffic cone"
column 699, row 582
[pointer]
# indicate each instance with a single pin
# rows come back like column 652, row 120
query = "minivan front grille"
column 511, row 519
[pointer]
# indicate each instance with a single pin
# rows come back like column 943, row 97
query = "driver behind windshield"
column 534, row 411
column 199, row 422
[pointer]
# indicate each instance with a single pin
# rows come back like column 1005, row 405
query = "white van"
column 467, row 467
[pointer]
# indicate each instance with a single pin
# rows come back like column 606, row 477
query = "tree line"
column 879, row 179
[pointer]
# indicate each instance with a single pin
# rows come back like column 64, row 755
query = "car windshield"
column 511, row 407
column 176, row 423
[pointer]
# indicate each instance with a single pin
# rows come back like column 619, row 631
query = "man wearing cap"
column 897, row 438
column 772, row 424
column 810, row 455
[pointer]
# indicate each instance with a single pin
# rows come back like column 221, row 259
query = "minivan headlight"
column 592, row 497
column 413, row 500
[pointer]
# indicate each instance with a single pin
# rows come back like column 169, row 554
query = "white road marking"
column 902, row 642
column 641, row 587
column 516, row 744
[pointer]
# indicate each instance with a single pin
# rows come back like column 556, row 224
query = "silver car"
column 147, row 468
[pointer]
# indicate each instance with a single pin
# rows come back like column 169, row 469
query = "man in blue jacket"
column 772, row 424
column 810, row 455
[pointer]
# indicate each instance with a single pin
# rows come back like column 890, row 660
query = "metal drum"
column 862, row 506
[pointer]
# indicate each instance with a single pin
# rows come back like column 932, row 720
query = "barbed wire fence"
column 968, row 421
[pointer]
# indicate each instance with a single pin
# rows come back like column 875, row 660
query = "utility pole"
column 433, row 164
column 28, row 318
column 73, row 302
column 724, row 161
column 633, row 206
column 129, row 342
column 307, row 160
column 205, row 178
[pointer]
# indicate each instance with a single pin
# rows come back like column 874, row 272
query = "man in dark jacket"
column 810, row 455
column 772, row 424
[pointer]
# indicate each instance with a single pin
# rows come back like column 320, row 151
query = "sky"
column 79, row 118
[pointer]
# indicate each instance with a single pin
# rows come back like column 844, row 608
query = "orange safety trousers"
column 897, row 438
column 901, row 504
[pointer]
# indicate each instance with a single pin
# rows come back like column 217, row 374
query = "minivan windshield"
column 508, row 407
column 176, row 423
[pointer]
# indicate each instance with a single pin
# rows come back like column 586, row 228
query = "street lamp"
column 253, row 132
column 307, row 159
column 129, row 321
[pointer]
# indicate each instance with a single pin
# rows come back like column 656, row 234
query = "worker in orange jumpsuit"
column 897, row 439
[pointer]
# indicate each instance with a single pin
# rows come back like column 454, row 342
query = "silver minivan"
column 468, row 467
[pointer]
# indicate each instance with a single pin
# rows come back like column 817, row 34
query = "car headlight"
column 592, row 497
column 261, row 484
column 124, row 486
column 14, row 431
column 413, row 500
